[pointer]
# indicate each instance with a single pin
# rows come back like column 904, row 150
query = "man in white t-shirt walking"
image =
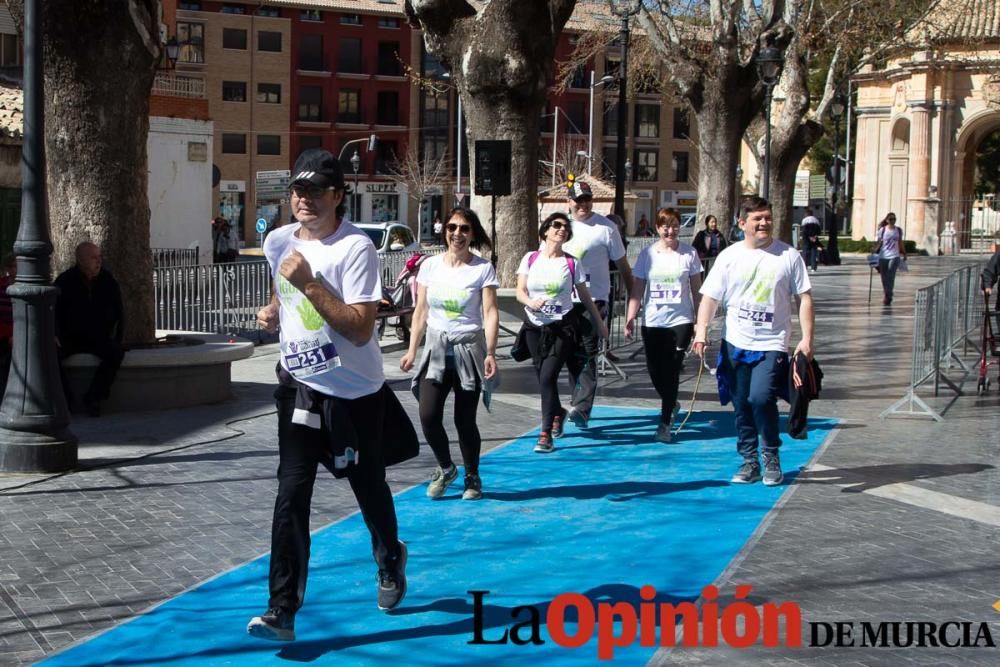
column 330, row 394
column 595, row 244
column 757, row 280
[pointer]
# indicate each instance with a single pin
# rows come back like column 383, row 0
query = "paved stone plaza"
column 894, row 520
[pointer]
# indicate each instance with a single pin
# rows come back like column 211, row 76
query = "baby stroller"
column 398, row 302
column 989, row 346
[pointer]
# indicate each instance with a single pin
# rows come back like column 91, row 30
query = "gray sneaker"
column 663, row 433
column 578, row 418
column 772, row 470
column 441, row 480
column 392, row 582
column 748, row 473
column 473, row 488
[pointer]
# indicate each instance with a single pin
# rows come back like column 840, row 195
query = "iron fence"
column 164, row 258
column 946, row 316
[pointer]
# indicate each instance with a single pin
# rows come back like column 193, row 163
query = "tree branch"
column 145, row 19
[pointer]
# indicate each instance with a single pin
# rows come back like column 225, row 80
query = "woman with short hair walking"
column 667, row 279
column 546, row 279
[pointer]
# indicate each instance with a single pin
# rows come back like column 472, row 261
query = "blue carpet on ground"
column 606, row 513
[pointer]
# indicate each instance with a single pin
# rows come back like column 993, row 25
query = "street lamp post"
column 34, row 419
column 624, row 9
column 769, row 63
column 356, row 166
column 606, row 79
column 837, row 107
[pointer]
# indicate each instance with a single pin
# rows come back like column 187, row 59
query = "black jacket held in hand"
column 88, row 310
column 812, row 383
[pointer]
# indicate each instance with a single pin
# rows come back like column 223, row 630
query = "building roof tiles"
column 949, row 20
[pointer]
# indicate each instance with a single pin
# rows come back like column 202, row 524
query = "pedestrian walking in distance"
column 330, row 395
column 666, row 279
column 891, row 252
column 546, row 281
column 757, row 279
column 457, row 306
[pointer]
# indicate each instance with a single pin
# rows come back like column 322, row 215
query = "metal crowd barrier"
column 946, row 316
column 172, row 257
column 392, row 263
column 212, row 298
column 224, row 298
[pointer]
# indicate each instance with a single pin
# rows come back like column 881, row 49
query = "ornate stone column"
column 919, row 172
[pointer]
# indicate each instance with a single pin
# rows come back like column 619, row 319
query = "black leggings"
column 432, row 399
column 547, row 369
column 664, row 355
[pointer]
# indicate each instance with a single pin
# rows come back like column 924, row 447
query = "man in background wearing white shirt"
column 596, row 242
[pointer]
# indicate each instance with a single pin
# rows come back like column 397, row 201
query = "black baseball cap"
column 316, row 166
column 580, row 191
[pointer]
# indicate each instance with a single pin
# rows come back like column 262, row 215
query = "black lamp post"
column 837, row 107
column 356, row 165
column 172, row 47
column 769, row 63
column 624, row 9
column 34, row 420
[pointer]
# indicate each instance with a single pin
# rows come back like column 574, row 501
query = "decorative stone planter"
column 195, row 370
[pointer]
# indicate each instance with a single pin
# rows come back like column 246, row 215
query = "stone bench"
column 195, row 373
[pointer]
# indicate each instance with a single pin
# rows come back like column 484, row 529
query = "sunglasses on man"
column 309, row 191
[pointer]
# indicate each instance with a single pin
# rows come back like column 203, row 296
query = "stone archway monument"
column 944, row 90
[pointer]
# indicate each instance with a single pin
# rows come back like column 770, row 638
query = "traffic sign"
column 261, row 225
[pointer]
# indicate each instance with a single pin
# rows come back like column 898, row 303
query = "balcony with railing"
column 169, row 84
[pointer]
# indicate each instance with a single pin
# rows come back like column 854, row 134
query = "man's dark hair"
column 752, row 204
column 480, row 239
column 547, row 223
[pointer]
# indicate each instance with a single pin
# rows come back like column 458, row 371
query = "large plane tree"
column 500, row 56
column 99, row 61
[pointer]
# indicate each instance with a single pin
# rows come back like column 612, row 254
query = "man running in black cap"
column 330, row 399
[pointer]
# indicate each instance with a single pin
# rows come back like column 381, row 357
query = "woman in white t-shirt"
column 667, row 278
column 457, row 305
column 546, row 280
column 891, row 252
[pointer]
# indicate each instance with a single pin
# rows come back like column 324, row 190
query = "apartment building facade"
column 281, row 76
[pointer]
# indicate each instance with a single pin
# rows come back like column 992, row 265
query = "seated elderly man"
column 89, row 320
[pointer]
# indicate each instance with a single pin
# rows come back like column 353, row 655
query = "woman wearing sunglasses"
column 546, row 280
column 667, row 278
column 457, row 305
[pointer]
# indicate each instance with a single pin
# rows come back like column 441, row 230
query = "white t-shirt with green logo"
column 549, row 278
column 667, row 301
column 756, row 286
column 455, row 293
column 311, row 350
column 595, row 243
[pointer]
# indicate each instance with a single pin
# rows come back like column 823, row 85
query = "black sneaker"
column 473, row 488
column 275, row 624
column 392, row 582
column 558, row 422
column 748, row 473
column 544, row 443
column 772, row 470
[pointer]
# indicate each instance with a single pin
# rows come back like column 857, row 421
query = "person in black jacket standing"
column 89, row 320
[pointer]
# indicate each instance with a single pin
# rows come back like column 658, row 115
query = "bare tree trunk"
column 719, row 136
column 501, row 58
column 517, row 214
column 99, row 60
